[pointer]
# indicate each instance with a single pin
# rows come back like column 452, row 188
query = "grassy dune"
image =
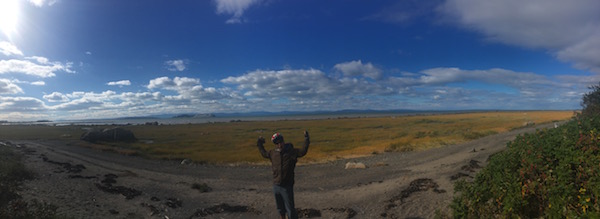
column 330, row 138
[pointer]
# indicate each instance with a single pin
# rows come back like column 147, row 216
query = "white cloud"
column 88, row 53
column 119, row 83
column 40, row 3
column 56, row 97
column 188, row 89
column 8, row 87
column 357, row 68
column 9, row 49
column 175, row 65
column 235, row 8
column 39, row 59
column 176, row 84
column 445, row 76
column 38, row 83
column 45, row 69
column 21, row 104
column 302, row 84
column 79, row 104
column 568, row 29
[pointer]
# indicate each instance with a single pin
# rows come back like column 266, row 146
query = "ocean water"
column 200, row 120
column 219, row 119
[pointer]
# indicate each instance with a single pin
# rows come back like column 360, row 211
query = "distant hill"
column 204, row 115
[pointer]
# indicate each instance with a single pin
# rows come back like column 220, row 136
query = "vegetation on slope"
column 553, row 173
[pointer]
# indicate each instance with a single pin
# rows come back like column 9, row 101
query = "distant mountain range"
column 265, row 113
column 293, row 113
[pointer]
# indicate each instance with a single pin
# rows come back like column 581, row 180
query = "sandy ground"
column 86, row 183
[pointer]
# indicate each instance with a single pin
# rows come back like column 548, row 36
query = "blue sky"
column 78, row 59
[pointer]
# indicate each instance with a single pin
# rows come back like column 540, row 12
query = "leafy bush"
column 591, row 101
column 553, row 173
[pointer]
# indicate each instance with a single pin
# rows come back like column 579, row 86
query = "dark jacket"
column 284, row 161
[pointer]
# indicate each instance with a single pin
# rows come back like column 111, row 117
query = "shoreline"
column 256, row 118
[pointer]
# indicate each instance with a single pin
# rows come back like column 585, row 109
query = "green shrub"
column 554, row 173
column 591, row 101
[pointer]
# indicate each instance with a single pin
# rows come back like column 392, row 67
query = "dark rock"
column 173, row 203
column 109, row 135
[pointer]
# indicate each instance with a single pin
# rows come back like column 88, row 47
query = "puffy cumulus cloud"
column 38, row 83
column 79, row 104
column 568, row 29
column 56, row 97
column 175, row 65
column 8, row 87
column 9, row 49
column 302, row 84
column 235, row 8
column 119, row 83
column 189, row 89
column 21, row 104
column 357, row 68
column 42, row 69
column 39, row 59
column 176, row 84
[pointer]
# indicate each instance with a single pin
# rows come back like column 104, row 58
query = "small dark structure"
column 109, row 135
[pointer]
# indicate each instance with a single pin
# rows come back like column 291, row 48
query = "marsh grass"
column 235, row 142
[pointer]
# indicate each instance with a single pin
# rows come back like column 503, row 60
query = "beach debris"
column 459, row 175
column 418, row 185
column 109, row 135
column 82, row 177
column 473, row 164
column 174, row 203
column 186, row 162
column 201, row 187
column 153, row 209
column 355, row 165
column 70, row 168
column 381, row 164
column 107, row 186
column 308, row 213
column 224, row 208
column 350, row 213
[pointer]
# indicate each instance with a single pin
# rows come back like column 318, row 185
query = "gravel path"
column 86, row 183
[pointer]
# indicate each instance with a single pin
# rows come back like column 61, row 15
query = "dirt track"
column 85, row 183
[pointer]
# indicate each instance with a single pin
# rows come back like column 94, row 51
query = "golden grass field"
column 235, row 142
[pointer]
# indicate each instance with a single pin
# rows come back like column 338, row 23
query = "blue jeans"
column 284, row 198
